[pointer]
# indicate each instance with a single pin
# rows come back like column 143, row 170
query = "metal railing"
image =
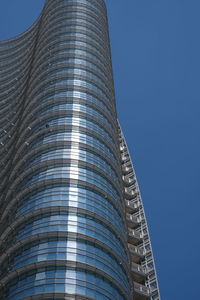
column 142, row 289
column 132, row 205
column 132, row 218
column 136, row 250
column 135, row 234
column 138, row 268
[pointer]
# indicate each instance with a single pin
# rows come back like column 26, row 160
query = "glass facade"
column 64, row 230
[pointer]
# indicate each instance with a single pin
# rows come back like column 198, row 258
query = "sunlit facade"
column 72, row 223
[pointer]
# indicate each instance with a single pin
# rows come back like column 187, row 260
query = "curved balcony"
column 132, row 221
column 132, row 206
column 130, row 193
column 136, row 253
column 134, row 236
column 128, row 181
column 126, row 169
column 139, row 273
column 142, row 292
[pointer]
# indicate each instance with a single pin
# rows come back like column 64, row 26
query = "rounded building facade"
column 63, row 232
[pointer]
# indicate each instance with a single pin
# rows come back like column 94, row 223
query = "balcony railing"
column 130, row 193
column 129, row 181
column 126, row 169
column 138, row 268
column 136, row 250
column 125, row 157
column 132, row 219
column 135, row 234
column 142, row 289
column 132, row 205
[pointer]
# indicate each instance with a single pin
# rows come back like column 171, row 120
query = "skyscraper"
column 72, row 219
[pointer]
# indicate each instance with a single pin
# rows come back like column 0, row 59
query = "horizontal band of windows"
column 67, row 18
column 90, row 74
column 66, row 141
column 55, row 186
column 16, row 64
column 71, row 81
column 14, row 93
column 73, row 93
column 81, row 158
column 15, row 50
column 89, row 51
column 62, row 169
column 11, row 103
column 71, row 172
column 49, row 221
column 78, row 153
column 75, row 43
column 15, row 74
column 73, row 106
column 77, row 35
column 26, row 50
column 7, row 141
column 78, row 8
column 82, row 65
column 67, row 120
column 98, row 6
column 76, row 60
column 61, row 223
column 17, row 71
column 87, row 7
column 73, row 39
column 64, row 246
column 10, row 113
column 101, row 207
column 8, row 127
column 72, row 120
column 58, row 204
column 84, row 21
column 77, row 136
column 76, row 139
column 85, row 135
column 13, row 90
column 92, row 256
column 7, row 148
column 19, row 40
column 79, row 30
column 21, row 60
column 71, row 281
column 66, row 104
column 61, row 96
column 7, row 135
column 72, row 222
column 65, row 26
column 74, row 29
column 15, row 81
column 9, row 249
column 12, row 87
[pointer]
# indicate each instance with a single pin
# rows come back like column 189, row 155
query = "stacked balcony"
column 132, row 206
column 139, row 273
column 141, row 291
column 135, row 236
column 137, row 254
column 132, row 221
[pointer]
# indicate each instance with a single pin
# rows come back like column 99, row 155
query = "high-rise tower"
column 72, row 223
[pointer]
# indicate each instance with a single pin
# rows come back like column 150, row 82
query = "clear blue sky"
column 156, row 60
